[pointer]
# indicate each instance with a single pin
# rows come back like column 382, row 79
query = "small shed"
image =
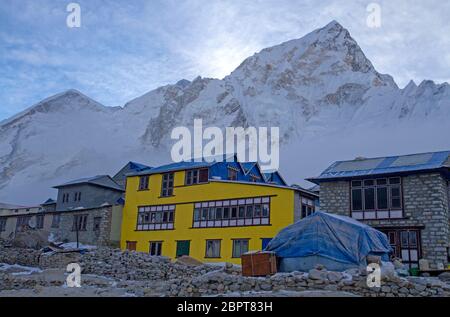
column 337, row 242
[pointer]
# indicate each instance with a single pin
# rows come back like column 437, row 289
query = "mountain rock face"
column 321, row 91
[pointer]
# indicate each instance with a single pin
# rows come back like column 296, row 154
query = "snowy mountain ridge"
column 325, row 95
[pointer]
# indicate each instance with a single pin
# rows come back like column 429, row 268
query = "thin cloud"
column 125, row 49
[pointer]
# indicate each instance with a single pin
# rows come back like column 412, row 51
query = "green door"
column 183, row 248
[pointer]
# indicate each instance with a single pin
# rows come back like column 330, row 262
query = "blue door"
column 265, row 242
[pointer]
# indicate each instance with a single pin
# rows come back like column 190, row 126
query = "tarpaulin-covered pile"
column 337, row 242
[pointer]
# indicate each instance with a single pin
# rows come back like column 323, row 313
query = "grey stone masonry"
column 425, row 205
column 89, row 236
column 335, row 197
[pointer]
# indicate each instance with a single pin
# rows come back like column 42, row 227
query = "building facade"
column 406, row 197
column 15, row 219
column 211, row 211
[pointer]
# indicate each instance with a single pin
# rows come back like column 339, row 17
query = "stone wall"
column 335, row 198
column 426, row 205
column 173, row 279
column 90, row 237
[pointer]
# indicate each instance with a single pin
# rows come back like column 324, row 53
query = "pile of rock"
column 27, row 257
column 131, row 265
column 145, row 275
column 352, row 281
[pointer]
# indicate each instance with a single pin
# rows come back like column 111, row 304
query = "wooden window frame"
column 144, row 182
column 233, row 255
column 165, row 187
column 190, row 180
column 165, row 211
column 256, row 201
column 150, row 243
column 128, row 243
column 76, row 222
column 388, row 185
column 310, row 207
column 206, row 248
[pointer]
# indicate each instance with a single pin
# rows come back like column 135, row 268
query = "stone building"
column 14, row 219
column 89, row 210
column 406, row 197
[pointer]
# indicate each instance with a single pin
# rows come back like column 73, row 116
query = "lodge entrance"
column 406, row 244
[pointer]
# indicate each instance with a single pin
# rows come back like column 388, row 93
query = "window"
column 212, row 249
column 131, row 245
column 240, row 247
column 406, row 245
column 197, row 176
column 156, row 218
column 79, row 222
column 143, row 182
column 376, row 198
column 232, row 213
column 56, row 221
column 77, row 197
column 308, row 207
column 232, row 174
column 39, row 221
column 155, row 248
column 254, row 178
column 3, row 224
column 22, row 222
column 97, row 222
column 65, row 198
column 167, row 185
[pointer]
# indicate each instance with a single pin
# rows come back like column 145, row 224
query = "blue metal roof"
column 138, row 166
column 385, row 165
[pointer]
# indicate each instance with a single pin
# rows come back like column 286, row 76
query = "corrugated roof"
column 180, row 166
column 385, row 165
column 99, row 180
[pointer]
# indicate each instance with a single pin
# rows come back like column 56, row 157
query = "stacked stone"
column 352, row 281
column 131, row 265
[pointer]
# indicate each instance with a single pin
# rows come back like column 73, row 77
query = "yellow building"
column 213, row 212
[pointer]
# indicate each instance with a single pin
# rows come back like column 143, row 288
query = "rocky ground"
column 110, row 272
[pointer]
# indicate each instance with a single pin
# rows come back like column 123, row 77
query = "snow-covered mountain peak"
column 68, row 101
column 323, row 93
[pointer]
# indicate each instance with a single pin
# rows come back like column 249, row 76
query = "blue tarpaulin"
column 338, row 242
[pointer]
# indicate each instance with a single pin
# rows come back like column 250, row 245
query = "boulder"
column 445, row 277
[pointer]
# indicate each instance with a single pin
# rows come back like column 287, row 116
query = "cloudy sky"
column 125, row 48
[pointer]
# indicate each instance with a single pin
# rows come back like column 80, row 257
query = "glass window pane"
column 357, row 199
column 265, row 210
column 197, row 215
column 226, row 213
column 413, row 238
column 369, row 198
column 356, row 183
column 212, row 214
column 234, row 212
column 404, row 238
column 241, row 212
column 249, row 213
column 382, row 198
column 219, row 213
column 204, row 175
column 369, row 182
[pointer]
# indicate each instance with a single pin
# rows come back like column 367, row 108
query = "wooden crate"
column 259, row 264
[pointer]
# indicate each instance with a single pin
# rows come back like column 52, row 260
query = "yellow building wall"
column 281, row 215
